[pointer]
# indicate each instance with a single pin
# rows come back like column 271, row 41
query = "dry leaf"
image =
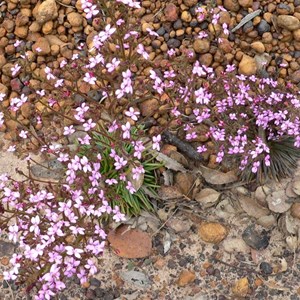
column 252, row 208
column 216, row 177
column 167, row 241
column 169, row 163
column 277, row 202
column 207, row 197
column 130, row 243
column 169, row 192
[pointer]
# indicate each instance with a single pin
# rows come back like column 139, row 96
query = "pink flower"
column 156, row 140
column 132, row 114
column 23, row 134
column 130, row 187
column 89, row 78
column 15, row 69
column 126, row 130
column 89, row 125
column 69, row 130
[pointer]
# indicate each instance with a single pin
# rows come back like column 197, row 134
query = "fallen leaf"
column 207, row 197
column 216, row 177
column 169, row 192
column 136, row 278
column 277, row 202
column 169, row 163
column 167, row 241
column 130, row 243
column 251, row 207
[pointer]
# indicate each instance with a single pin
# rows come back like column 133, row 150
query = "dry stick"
column 184, row 147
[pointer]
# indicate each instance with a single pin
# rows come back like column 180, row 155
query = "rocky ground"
column 203, row 246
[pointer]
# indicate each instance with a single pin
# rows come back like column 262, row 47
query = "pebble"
column 232, row 5
column 173, row 43
column 254, row 239
column 201, row 46
column 247, row 65
column 290, row 23
column 186, row 277
column 177, row 24
column 258, row 46
column 212, row 232
column 46, row 11
column 190, row 3
column 241, row 287
column 186, row 16
column 266, row 268
column 170, row 12
column 42, row 45
column 263, row 27
column 245, row 3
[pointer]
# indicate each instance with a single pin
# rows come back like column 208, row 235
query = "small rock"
column 149, row 107
column 173, row 43
column 16, row 85
column 21, row 32
column 212, row 232
column 46, row 11
column 234, row 245
column 186, row 16
column 130, row 243
column 290, row 23
column 136, row 278
column 283, row 9
column 6, row 248
column 3, row 89
column 95, row 282
column 241, row 287
column 75, row 19
column 186, row 277
column 41, row 46
column 232, row 5
column 295, row 77
column 245, row 3
column 247, row 65
column 263, row 27
column 255, row 239
column 201, row 46
column 51, row 169
column 171, row 12
column 177, row 24
column 190, row 3
column 259, row 47
column 266, row 268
